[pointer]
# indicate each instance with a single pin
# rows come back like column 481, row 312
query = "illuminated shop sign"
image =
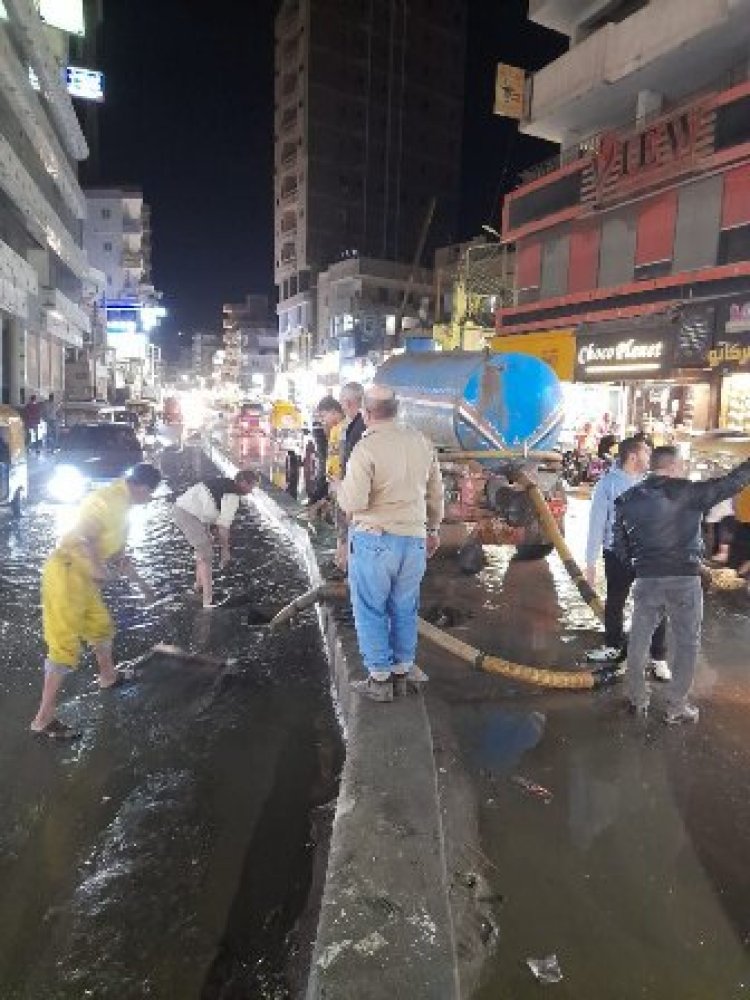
column 732, row 348
column 67, row 15
column 616, row 357
column 87, row 84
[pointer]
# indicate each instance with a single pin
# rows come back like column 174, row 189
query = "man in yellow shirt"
column 72, row 607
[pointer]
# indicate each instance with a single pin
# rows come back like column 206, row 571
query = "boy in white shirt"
column 212, row 502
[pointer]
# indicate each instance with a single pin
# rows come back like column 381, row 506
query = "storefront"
column 730, row 357
column 652, row 382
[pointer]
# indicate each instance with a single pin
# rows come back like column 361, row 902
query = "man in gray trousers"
column 658, row 528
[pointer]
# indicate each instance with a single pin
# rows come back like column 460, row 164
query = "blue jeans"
column 385, row 572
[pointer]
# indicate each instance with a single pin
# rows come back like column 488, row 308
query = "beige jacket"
column 392, row 482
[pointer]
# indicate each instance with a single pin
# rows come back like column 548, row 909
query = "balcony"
column 596, row 84
column 288, row 224
column 41, row 219
column 289, row 120
column 288, row 193
column 289, row 84
column 288, row 156
column 288, row 254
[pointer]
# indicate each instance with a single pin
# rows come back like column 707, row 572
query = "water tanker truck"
column 490, row 416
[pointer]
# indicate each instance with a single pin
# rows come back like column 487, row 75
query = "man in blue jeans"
column 658, row 528
column 392, row 494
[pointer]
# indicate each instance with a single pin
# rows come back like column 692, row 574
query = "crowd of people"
column 384, row 485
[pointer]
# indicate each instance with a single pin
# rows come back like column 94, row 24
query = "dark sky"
column 189, row 117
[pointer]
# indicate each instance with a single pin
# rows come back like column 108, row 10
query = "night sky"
column 189, row 117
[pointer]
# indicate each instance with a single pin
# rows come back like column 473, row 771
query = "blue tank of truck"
column 472, row 401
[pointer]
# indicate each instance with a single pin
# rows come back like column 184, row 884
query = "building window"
column 106, row 213
column 108, row 248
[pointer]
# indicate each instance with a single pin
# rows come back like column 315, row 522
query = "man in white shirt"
column 211, row 503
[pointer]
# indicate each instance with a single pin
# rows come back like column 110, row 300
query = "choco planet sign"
column 616, row 357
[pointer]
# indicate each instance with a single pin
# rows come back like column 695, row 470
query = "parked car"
column 91, row 455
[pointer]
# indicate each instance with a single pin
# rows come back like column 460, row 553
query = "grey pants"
column 679, row 599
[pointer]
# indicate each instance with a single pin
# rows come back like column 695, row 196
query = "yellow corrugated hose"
column 571, row 680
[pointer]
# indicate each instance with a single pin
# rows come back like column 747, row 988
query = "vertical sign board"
column 510, row 84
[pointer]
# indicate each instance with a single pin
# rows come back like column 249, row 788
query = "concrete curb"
column 385, row 927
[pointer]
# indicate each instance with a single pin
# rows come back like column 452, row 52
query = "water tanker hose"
column 569, row 680
column 554, row 534
column 323, row 592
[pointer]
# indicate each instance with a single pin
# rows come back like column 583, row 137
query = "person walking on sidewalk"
column 72, row 607
column 211, row 503
column 393, row 495
column 632, row 464
column 658, row 527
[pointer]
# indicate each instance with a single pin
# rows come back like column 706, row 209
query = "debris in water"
column 531, row 787
column 546, row 970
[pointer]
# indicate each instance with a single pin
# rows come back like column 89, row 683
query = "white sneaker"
column 605, row 654
column 660, row 670
column 688, row 713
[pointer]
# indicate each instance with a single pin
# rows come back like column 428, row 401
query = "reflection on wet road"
column 169, row 853
column 634, row 869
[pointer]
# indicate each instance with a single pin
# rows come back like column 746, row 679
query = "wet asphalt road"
column 635, row 868
column 169, row 853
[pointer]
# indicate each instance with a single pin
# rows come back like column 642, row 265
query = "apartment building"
column 42, row 262
column 634, row 243
column 251, row 345
column 368, row 118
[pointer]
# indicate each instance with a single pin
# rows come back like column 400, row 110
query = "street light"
column 491, row 230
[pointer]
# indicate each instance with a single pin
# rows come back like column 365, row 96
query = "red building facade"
column 640, row 249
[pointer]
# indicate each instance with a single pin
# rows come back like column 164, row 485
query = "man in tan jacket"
column 393, row 496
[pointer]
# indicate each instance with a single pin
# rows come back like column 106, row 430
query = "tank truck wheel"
column 530, row 553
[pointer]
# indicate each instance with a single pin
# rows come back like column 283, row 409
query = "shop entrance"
column 735, row 402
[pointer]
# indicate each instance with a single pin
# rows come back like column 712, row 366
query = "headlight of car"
column 67, row 484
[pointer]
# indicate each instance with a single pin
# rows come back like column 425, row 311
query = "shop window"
column 734, row 245
column 648, row 272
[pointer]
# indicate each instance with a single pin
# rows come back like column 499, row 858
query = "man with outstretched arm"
column 631, row 466
column 72, row 607
column 211, row 503
column 658, row 528
column 393, row 495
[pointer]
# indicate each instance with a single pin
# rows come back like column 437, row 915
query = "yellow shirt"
column 333, row 461
column 102, row 519
column 742, row 506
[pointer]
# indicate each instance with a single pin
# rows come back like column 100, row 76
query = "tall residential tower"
column 368, row 119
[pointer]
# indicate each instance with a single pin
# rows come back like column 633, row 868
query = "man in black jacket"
column 659, row 529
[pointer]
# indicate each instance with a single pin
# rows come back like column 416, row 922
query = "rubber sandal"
column 57, row 730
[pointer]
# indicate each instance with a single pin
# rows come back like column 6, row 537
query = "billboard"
column 88, row 84
column 67, row 15
column 510, row 84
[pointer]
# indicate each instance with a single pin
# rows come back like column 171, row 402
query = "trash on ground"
column 546, row 970
column 532, row 788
